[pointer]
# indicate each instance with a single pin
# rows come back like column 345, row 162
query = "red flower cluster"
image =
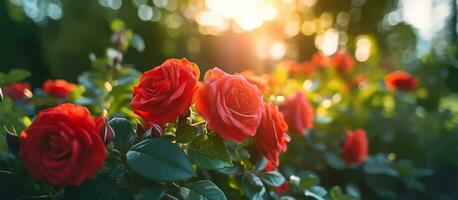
column 342, row 62
column 165, row 92
column 271, row 137
column 355, row 147
column 62, row 146
column 230, row 104
column 307, row 68
column 298, row 113
column 401, row 80
column 58, row 88
column 17, row 91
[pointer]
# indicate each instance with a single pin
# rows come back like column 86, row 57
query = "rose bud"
column 58, row 88
column 17, row 91
column 402, row 81
column 155, row 131
column 355, row 147
column 104, row 129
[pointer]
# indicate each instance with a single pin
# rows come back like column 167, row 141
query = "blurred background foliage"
column 55, row 38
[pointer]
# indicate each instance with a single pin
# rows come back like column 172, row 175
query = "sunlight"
column 245, row 14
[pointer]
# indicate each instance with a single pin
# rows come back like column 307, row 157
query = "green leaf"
column 118, row 174
column 261, row 164
column 205, row 190
column 151, row 193
column 3, row 78
column 186, row 133
column 337, row 194
column 95, row 189
column 287, row 198
column 273, row 178
column 379, row 164
column 123, row 132
column 209, row 152
column 18, row 75
column 77, row 93
column 308, row 181
column 334, row 161
column 315, row 192
column 13, row 76
column 127, row 76
column 137, row 42
column 159, row 160
column 229, row 170
column 253, row 187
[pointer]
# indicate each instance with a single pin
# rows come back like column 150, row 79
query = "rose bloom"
column 17, row 91
column 401, row 80
column 306, row 68
column 165, row 92
column 230, row 104
column 58, row 88
column 298, row 113
column 319, row 60
column 260, row 81
column 355, row 147
column 342, row 62
column 62, row 146
column 271, row 137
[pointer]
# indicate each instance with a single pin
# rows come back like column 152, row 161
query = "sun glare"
column 245, row 14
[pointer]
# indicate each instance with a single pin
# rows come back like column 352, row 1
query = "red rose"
column 165, row 92
column 17, row 91
column 62, row 146
column 319, row 60
column 401, row 80
column 230, row 104
column 58, row 88
column 355, row 147
column 342, row 62
column 271, row 137
column 307, row 68
column 298, row 113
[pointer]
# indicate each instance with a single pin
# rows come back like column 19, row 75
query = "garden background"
column 413, row 136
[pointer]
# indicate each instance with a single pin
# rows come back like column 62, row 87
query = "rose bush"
column 162, row 134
